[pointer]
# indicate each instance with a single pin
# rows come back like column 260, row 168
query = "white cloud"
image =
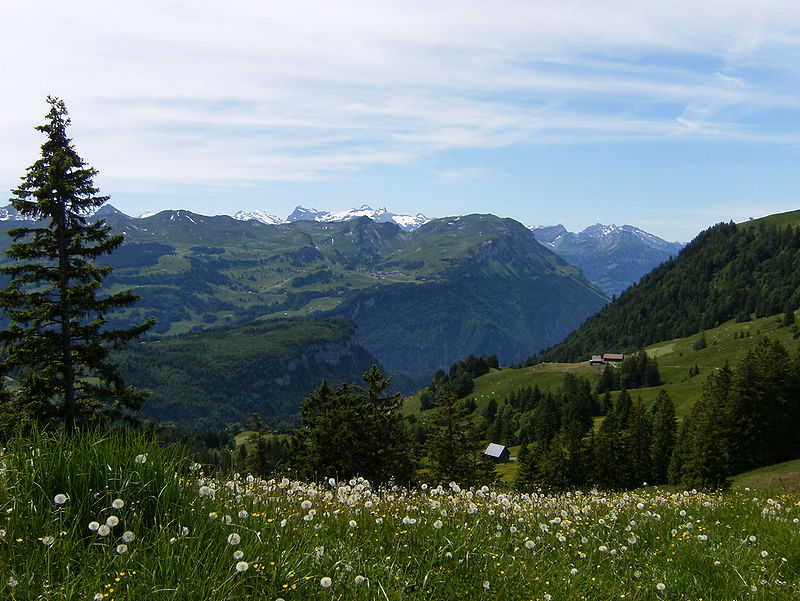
column 280, row 91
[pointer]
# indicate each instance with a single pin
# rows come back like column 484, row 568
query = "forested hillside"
column 729, row 271
column 224, row 375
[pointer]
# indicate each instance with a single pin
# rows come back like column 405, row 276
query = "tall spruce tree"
column 353, row 431
column 55, row 344
column 452, row 454
column 665, row 430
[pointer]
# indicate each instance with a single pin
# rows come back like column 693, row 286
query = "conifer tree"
column 527, row 478
column 453, row 456
column 664, row 432
column 56, row 345
column 707, row 461
column 353, row 431
column 639, row 433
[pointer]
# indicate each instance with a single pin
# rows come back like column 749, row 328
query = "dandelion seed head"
column 238, row 554
column 242, row 566
column 352, row 523
column 122, row 548
column 112, row 521
column 360, row 579
column 103, row 530
column 48, row 541
column 117, row 503
column 486, row 585
column 128, row 536
column 11, row 582
column 93, row 526
column 438, row 524
column 661, row 586
column 325, row 582
column 141, row 458
column 234, row 539
column 60, row 499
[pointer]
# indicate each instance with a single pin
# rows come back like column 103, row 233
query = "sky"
column 669, row 115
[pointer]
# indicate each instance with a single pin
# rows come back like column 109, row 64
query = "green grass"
column 187, row 533
column 782, row 477
column 778, row 219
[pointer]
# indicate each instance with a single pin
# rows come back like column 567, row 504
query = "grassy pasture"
column 114, row 516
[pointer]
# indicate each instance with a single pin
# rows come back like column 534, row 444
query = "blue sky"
column 669, row 115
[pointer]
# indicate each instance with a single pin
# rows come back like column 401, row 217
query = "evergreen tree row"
column 633, row 445
column 460, row 378
column 637, row 371
column 746, row 417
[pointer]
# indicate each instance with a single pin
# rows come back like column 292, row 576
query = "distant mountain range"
column 420, row 299
column 612, row 257
column 405, row 222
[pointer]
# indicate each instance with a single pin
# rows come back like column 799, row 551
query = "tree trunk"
column 66, row 333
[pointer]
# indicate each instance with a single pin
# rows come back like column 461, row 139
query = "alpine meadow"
column 368, row 405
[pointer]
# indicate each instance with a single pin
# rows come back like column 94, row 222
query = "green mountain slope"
column 476, row 284
column 728, row 271
column 494, row 290
column 677, row 360
column 223, row 375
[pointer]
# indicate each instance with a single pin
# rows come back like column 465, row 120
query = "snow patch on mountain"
column 381, row 215
column 9, row 213
column 258, row 215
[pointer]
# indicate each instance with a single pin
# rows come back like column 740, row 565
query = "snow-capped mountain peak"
column 381, row 215
column 258, row 215
column 9, row 213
